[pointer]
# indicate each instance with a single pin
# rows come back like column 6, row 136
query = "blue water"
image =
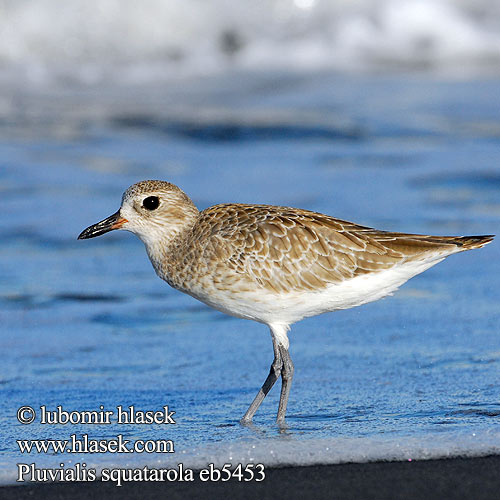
column 87, row 323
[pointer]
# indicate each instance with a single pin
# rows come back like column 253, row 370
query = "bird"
column 272, row 264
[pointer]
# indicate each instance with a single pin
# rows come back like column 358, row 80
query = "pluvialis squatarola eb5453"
column 275, row 265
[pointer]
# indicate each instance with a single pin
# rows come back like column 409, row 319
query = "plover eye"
column 151, row 202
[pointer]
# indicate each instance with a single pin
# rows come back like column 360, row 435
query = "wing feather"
column 284, row 249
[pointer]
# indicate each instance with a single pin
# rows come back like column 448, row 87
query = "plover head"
column 156, row 211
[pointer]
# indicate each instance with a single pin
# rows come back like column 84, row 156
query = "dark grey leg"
column 286, row 383
column 274, row 374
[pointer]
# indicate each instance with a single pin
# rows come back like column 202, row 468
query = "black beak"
column 114, row 221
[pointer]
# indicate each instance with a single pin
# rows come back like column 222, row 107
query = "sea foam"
column 286, row 451
column 90, row 41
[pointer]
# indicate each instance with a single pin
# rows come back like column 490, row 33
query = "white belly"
column 286, row 308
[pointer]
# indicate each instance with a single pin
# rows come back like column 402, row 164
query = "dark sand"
column 457, row 478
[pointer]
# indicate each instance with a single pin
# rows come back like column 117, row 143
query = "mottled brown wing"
column 285, row 249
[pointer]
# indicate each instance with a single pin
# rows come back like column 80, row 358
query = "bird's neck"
column 168, row 243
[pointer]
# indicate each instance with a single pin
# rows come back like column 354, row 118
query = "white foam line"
column 288, row 451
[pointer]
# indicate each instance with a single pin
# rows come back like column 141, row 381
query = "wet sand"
column 456, row 478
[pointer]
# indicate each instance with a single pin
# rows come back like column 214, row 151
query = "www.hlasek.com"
column 117, row 444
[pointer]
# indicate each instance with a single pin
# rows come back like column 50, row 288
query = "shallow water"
column 87, row 323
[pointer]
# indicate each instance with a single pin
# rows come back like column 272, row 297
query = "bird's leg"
column 274, row 374
column 286, row 382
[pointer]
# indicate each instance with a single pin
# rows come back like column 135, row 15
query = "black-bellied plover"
column 275, row 265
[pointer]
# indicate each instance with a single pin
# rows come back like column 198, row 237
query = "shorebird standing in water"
column 275, row 265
